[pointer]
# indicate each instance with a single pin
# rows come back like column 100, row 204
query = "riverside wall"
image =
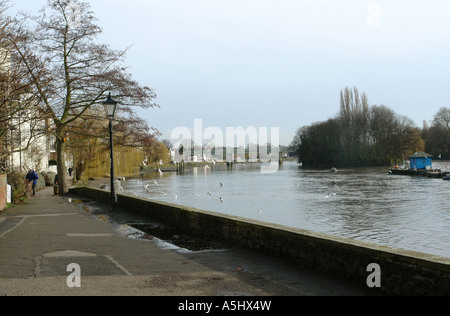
column 400, row 272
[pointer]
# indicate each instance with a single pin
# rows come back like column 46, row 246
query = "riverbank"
column 365, row 204
column 404, row 272
column 39, row 240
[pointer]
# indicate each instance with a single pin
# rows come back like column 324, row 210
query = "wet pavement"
column 70, row 246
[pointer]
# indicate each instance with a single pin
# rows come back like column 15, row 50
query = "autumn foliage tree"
column 72, row 73
column 86, row 141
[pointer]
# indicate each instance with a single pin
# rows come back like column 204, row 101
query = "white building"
column 25, row 142
column 29, row 145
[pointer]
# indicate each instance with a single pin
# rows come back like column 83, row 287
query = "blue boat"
column 447, row 177
column 421, row 165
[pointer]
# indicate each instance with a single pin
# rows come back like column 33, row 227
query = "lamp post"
column 110, row 109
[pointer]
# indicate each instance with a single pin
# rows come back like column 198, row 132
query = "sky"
column 278, row 63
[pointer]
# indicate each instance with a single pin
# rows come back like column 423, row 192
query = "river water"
column 364, row 204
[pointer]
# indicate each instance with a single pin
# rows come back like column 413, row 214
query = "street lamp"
column 110, row 109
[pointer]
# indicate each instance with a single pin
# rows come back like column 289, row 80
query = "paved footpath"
column 59, row 246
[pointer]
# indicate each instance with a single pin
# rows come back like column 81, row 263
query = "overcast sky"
column 279, row 63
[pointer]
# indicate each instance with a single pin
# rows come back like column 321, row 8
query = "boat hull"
column 420, row 172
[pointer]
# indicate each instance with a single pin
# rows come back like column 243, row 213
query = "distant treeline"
column 363, row 135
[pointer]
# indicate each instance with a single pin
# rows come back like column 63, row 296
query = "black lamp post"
column 110, row 109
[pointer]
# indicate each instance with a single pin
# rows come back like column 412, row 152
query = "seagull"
column 221, row 184
column 156, row 183
column 221, row 200
column 259, row 212
column 196, row 195
column 103, row 187
column 176, row 197
column 209, row 193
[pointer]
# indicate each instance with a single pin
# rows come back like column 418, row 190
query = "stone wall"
column 402, row 272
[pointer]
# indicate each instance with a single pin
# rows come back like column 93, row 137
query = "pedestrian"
column 70, row 171
column 56, row 185
column 28, row 181
column 33, row 178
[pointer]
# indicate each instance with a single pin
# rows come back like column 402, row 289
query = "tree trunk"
column 60, row 152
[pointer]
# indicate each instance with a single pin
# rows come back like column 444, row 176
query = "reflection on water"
column 360, row 203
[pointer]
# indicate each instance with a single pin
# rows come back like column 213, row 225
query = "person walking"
column 56, row 185
column 28, row 181
column 33, row 178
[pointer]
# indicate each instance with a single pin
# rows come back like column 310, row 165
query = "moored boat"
column 421, row 165
column 408, row 172
column 434, row 173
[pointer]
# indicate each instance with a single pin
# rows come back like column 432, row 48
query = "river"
column 365, row 204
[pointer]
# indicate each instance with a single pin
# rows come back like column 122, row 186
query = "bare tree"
column 359, row 135
column 382, row 130
column 437, row 136
column 442, row 119
column 17, row 100
column 72, row 72
column 354, row 118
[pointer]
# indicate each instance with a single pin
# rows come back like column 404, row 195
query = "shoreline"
column 184, row 195
column 329, row 254
column 40, row 239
